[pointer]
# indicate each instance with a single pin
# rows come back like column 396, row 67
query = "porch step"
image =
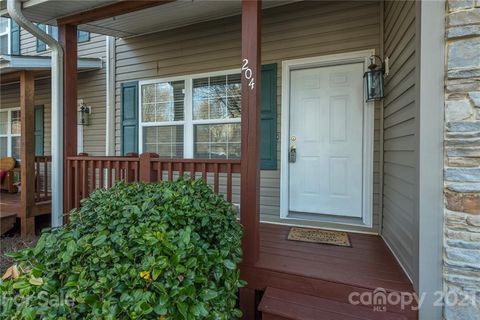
column 7, row 220
column 278, row 304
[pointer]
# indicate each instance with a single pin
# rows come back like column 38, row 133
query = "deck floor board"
column 368, row 263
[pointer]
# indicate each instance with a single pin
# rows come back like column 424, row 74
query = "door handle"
column 292, row 154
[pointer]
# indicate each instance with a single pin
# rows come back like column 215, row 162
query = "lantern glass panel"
column 83, row 117
column 374, row 85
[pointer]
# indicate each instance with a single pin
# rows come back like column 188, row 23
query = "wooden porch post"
column 68, row 40
column 27, row 170
column 250, row 173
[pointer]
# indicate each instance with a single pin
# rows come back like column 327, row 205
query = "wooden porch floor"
column 10, row 202
column 328, row 273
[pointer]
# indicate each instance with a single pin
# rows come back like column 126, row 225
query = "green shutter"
column 14, row 38
column 129, row 109
column 38, row 130
column 268, row 119
column 41, row 46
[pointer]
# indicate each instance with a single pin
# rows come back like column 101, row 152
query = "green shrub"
column 139, row 251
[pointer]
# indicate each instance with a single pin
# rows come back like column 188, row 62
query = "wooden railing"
column 42, row 178
column 85, row 173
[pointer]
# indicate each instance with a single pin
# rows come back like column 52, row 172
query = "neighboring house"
column 91, row 83
column 327, row 158
column 20, row 51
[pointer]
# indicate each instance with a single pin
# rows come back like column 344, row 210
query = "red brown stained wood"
column 82, row 171
column 146, row 168
column 229, row 183
column 281, row 304
column 101, row 172
column 27, row 171
column 324, row 271
column 215, row 179
column 109, row 11
column 67, row 35
column 250, row 172
column 37, row 181
column 45, row 175
column 10, row 202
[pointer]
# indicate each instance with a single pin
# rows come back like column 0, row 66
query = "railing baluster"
column 229, row 182
column 45, row 177
column 77, row 184
column 117, row 171
column 84, row 179
column 159, row 171
column 137, row 170
column 37, row 179
column 101, row 174
column 109, row 174
column 181, row 171
column 204, row 172
column 192, row 171
column 215, row 179
column 170, row 171
column 92, row 176
column 69, row 185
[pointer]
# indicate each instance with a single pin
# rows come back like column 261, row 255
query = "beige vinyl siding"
column 399, row 131
column 91, row 89
column 305, row 29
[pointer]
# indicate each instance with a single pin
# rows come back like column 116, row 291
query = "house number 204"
column 248, row 73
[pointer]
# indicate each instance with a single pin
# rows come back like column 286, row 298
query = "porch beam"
column 68, row 40
column 109, row 11
column 250, row 172
column 27, row 151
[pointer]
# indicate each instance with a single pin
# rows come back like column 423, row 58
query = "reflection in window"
column 166, row 141
column 216, row 97
column 217, row 141
column 163, row 102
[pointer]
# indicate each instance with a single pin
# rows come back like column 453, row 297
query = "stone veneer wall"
column 462, row 160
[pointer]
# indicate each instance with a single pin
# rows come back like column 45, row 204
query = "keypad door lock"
column 292, row 155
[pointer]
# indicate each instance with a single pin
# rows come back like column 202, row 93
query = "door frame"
column 368, row 129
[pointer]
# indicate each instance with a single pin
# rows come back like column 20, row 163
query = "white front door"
column 327, row 132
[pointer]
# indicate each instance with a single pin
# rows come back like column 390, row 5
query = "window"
column 4, row 35
column 51, row 30
column 162, row 118
column 10, row 133
column 41, row 46
column 192, row 117
column 216, row 117
column 83, row 36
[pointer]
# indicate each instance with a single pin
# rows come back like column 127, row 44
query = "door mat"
column 336, row 238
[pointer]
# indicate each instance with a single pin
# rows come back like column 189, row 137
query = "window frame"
column 188, row 122
column 8, row 33
column 9, row 135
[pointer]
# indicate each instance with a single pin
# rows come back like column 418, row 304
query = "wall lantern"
column 374, row 80
column 83, row 114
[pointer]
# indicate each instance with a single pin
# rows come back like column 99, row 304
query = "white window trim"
column 188, row 122
column 9, row 135
column 9, row 37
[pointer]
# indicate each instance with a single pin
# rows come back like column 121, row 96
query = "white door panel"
column 326, row 121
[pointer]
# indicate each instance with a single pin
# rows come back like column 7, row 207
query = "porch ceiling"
column 162, row 17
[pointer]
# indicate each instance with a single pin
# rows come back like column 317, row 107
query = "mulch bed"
column 13, row 243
